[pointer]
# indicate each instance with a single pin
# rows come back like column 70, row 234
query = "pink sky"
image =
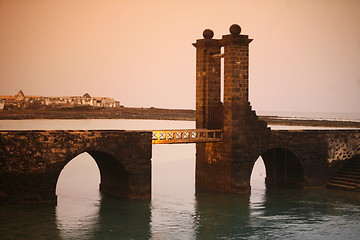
column 305, row 55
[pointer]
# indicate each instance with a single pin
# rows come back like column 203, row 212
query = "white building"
column 22, row 101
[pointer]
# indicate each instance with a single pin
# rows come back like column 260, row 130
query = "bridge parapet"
column 336, row 144
column 185, row 136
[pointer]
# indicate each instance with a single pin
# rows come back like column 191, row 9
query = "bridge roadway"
column 185, row 136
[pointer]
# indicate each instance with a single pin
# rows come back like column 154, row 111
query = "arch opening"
column 283, row 169
column 104, row 173
column 78, row 197
column 258, row 175
column 80, row 176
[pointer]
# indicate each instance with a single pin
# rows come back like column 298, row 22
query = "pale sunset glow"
column 305, row 56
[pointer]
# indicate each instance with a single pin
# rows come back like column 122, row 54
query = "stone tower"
column 208, row 80
column 226, row 166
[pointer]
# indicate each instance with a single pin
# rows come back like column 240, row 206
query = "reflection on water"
column 178, row 211
column 222, row 215
column 283, row 214
column 82, row 212
column 28, row 221
column 309, row 214
column 103, row 218
column 77, row 218
column 77, row 211
column 231, row 216
column 172, row 207
column 123, row 219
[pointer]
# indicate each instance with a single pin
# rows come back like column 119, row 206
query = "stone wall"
column 31, row 161
column 292, row 158
column 320, row 152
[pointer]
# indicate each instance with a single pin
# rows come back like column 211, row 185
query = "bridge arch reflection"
column 82, row 212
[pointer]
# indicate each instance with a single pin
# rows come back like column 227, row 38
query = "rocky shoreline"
column 99, row 113
column 151, row 113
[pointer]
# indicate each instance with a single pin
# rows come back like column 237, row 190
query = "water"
column 176, row 210
column 314, row 115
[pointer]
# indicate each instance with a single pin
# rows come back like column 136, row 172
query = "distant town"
column 20, row 100
column 21, row 106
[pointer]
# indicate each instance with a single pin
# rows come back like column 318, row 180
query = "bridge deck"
column 185, row 136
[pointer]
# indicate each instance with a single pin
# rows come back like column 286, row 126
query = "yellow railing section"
column 185, row 136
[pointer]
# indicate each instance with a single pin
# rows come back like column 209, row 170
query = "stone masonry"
column 292, row 158
column 31, row 162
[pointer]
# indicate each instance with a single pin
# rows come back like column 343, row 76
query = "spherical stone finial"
column 235, row 30
column 208, row 34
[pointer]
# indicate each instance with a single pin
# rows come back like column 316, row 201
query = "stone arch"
column 283, row 169
column 31, row 161
column 113, row 175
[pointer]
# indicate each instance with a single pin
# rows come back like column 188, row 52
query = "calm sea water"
column 176, row 210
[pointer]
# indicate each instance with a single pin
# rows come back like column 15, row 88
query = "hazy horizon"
column 305, row 56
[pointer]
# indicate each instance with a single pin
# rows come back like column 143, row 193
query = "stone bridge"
column 292, row 158
column 31, row 161
column 229, row 139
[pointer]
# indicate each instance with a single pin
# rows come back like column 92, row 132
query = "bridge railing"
column 185, row 136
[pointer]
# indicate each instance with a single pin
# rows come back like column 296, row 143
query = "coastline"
column 153, row 114
column 99, row 113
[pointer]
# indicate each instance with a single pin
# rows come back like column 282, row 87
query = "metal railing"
column 185, row 136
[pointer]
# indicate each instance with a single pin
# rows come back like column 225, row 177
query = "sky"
column 305, row 56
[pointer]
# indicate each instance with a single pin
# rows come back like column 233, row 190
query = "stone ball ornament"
column 208, row 34
column 235, row 30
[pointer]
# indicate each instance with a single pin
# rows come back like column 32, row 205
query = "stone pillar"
column 236, row 83
column 226, row 166
column 208, row 70
column 243, row 133
column 236, row 134
column 209, row 173
column 236, row 67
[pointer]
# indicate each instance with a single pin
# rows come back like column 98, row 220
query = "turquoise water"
column 176, row 210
